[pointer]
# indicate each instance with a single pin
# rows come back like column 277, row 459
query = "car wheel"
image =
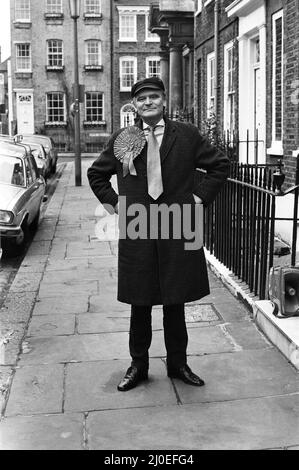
column 54, row 167
column 21, row 241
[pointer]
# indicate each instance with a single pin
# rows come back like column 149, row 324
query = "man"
column 155, row 162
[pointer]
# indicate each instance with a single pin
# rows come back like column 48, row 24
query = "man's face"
column 150, row 104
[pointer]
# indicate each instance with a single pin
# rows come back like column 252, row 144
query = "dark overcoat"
column 160, row 271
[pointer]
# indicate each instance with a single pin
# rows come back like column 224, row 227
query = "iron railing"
column 239, row 226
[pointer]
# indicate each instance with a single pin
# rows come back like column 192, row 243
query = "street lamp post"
column 75, row 13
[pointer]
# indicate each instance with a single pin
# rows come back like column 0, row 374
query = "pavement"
column 66, row 349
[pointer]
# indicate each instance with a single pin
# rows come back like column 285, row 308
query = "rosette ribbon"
column 127, row 146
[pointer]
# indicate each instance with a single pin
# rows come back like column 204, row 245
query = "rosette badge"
column 127, row 146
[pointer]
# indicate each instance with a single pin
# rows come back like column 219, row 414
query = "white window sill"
column 127, row 40
column 275, row 149
column 152, row 40
column 295, row 153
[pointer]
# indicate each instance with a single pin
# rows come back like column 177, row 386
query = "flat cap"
column 152, row 83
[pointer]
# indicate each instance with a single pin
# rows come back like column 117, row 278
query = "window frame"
column 57, row 11
column 61, row 66
column 23, row 70
column 229, row 95
column 88, row 121
column 56, row 122
column 91, row 13
column 20, row 19
column 152, row 58
column 99, row 53
column 277, row 145
column 133, row 38
column 210, row 89
column 121, row 60
column 124, row 113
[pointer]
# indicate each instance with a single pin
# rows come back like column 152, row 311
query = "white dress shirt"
column 159, row 130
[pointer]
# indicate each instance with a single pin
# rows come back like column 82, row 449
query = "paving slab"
column 61, row 304
column 244, row 374
column 66, row 265
column 72, row 275
column 26, row 282
column 52, row 325
column 36, row 390
column 47, row 432
column 103, row 322
column 68, row 288
column 39, row 248
column 81, row 249
column 103, row 262
column 249, row 424
column 93, row 386
column 75, row 348
column 247, row 335
column 106, row 346
column 107, row 302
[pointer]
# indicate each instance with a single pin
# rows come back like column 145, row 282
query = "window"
column 94, row 107
column 93, row 52
column 23, row 57
column 55, row 53
column 54, row 6
column 150, row 37
column 128, row 73
column 22, row 10
column 56, row 108
column 153, row 67
column 93, row 7
column 127, row 27
column 277, row 78
column 229, row 89
column 210, row 84
column 127, row 115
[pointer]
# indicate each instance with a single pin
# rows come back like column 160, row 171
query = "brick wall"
column 139, row 49
column 204, row 45
column 290, row 110
column 43, row 81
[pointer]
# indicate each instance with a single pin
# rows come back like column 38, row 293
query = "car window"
column 11, row 171
column 28, row 170
column 33, row 166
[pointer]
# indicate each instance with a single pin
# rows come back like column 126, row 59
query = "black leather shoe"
column 185, row 374
column 131, row 379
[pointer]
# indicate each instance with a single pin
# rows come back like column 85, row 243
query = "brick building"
column 4, row 104
column 136, row 54
column 248, row 76
column 43, row 70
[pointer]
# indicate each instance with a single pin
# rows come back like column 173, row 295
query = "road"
column 9, row 264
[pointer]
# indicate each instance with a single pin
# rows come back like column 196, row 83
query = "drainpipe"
column 216, row 50
column 10, row 99
column 111, row 66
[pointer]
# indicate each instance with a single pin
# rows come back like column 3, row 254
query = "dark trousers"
column 175, row 335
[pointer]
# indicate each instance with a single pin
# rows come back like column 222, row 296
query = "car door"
column 35, row 188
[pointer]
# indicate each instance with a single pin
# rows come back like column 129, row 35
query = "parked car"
column 42, row 159
column 22, row 192
column 48, row 144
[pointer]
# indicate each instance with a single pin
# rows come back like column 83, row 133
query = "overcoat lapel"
column 168, row 138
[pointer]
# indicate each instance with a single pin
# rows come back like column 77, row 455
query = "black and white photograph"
column 149, row 245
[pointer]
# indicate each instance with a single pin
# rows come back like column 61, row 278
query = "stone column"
column 175, row 78
column 164, row 64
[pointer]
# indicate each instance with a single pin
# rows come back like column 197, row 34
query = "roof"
column 12, row 150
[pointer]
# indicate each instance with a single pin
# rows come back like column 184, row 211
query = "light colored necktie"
column 154, row 174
